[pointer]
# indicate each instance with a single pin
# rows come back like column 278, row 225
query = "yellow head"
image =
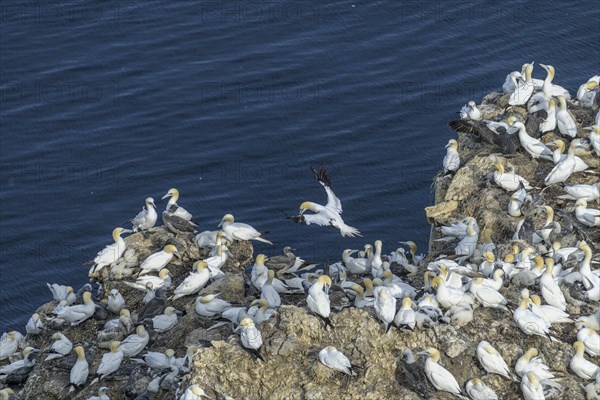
column 509, row 258
column 591, row 85
column 437, row 281
column 247, row 323
column 535, row 299
column 260, row 260
column 200, row 266
column 171, row 250
column 80, row 352
column 116, row 233
column 307, row 205
column 579, row 347
column 358, row 289
column 530, row 353
column 533, row 379
column 325, row 280
column 452, row 144
column 406, row 302
column 511, row 120
column 125, row 313
column 174, row 193
column 489, row 256
column 114, row 346
column 499, row 168
column 163, row 274
column 87, row 297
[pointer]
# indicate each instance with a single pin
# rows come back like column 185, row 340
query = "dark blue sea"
column 106, row 103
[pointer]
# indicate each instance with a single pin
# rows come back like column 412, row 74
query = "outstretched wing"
column 332, row 200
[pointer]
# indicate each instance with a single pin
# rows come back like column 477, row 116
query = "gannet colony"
column 504, row 305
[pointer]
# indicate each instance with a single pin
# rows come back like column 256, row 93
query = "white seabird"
column 549, row 124
column 564, row 120
column 210, row 305
column 587, row 92
column 405, row 317
column 110, row 253
column 193, row 392
column 452, row 158
column 111, row 361
column 61, row 292
column 580, row 365
column 524, row 88
column 159, row 260
column 327, row 215
column 165, row 322
column 102, row 394
column 558, row 155
column 511, row 81
column 172, row 206
column 157, row 360
column 533, row 146
column 588, row 193
column 34, row 325
column 162, row 280
column 478, row 390
column 60, row 348
column 590, row 340
column 470, row 111
column 335, row 359
column 250, row 337
column 80, row 370
column 529, row 362
column 239, row 231
column 440, row 377
column 9, row 345
column 78, row 313
column 318, row 298
column 550, row 290
column 530, row 323
column 531, row 387
column 550, row 89
column 116, row 302
column 194, row 282
column 587, row 216
column 385, row 306
column 24, row 362
column 509, row 181
column 133, row 344
column 146, row 218
column 594, row 135
column 491, row 360
column 269, row 293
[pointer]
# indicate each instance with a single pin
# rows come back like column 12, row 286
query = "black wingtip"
column 321, row 175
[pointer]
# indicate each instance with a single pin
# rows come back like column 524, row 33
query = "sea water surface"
column 106, row 103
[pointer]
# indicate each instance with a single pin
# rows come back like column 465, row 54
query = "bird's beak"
column 220, row 224
column 352, row 252
column 423, row 353
column 152, row 203
column 178, row 312
column 589, row 128
column 293, row 250
column 301, row 211
column 544, row 66
column 126, row 231
column 165, row 196
column 177, row 254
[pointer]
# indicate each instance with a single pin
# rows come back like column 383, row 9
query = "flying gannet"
column 327, row 215
column 335, row 359
column 146, row 218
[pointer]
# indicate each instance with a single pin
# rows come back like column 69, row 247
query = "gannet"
column 135, row 343
column 529, row 362
column 9, row 344
column 172, row 206
column 385, row 306
column 537, row 107
column 452, row 158
column 587, row 216
column 440, row 377
column 282, row 262
column 162, row 280
column 251, row 338
column 159, row 260
column 217, row 261
column 206, row 238
column 359, row 300
column 597, row 121
column 564, row 120
column 318, row 298
column 549, row 124
column 269, row 293
column 533, row 146
column 530, row 323
column 146, row 218
column 478, row 390
column 594, row 135
column 264, row 311
column 210, row 305
column 405, row 317
column 470, row 111
column 157, row 360
column 517, row 200
column 116, row 302
column 459, row 229
column 193, row 392
column 110, row 253
column 102, row 394
column 468, row 244
column 60, row 292
column 194, row 282
column 487, row 296
column 531, row 387
column 60, row 348
column 492, row 361
column 327, row 215
column 550, row 290
column 355, row 265
column 34, row 325
column 509, row 181
column 165, row 322
column 590, row 321
column 150, row 293
column 587, row 92
column 335, row 359
column 447, row 296
column 592, row 389
column 413, row 371
column 111, row 361
column 239, row 231
column 590, row 340
column 580, row 365
column 396, row 287
column 23, row 363
column 376, row 261
column 551, row 89
column 510, row 83
column 553, row 315
column 78, row 313
column 80, row 370
column 524, row 88
column 558, row 156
